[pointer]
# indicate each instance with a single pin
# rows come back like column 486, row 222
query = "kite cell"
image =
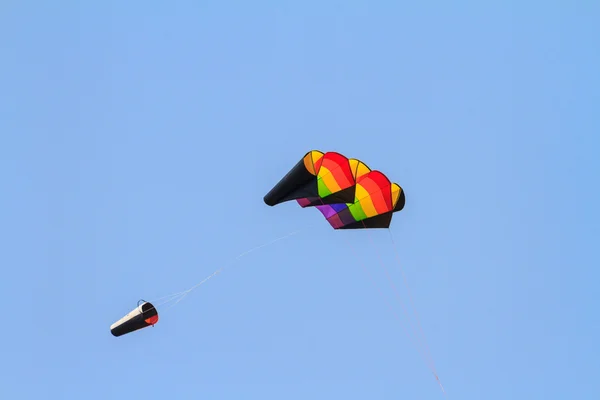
column 143, row 316
column 374, row 197
column 319, row 178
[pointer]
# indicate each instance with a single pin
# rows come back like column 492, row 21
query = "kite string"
column 424, row 349
column 397, row 254
column 411, row 338
column 423, row 353
column 173, row 295
column 408, row 290
column 380, row 292
column 181, row 295
column 390, row 280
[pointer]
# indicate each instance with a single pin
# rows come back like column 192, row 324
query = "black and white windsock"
column 143, row 316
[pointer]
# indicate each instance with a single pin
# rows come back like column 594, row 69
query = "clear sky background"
column 139, row 138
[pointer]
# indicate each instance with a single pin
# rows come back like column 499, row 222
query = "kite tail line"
column 426, row 346
column 181, row 295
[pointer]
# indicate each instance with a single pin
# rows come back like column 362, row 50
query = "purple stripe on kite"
column 339, row 206
column 327, row 210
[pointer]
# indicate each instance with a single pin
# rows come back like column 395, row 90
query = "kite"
column 350, row 195
column 143, row 316
column 347, row 192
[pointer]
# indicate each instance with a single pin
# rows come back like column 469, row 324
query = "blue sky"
column 138, row 141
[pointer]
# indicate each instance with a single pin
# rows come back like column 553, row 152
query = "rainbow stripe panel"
column 375, row 195
column 334, row 173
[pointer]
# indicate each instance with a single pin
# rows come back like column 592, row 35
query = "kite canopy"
column 347, row 192
column 143, row 316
